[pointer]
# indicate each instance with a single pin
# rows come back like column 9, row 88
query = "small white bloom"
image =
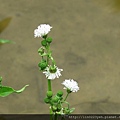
column 71, row 85
column 42, row 30
column 50, row 75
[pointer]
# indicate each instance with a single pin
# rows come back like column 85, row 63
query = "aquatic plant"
column 48, row 66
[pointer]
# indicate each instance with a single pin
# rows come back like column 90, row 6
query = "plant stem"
column 49, row 89
column 51, row 114
column 66, row 96
column 48, row 51
column 55, row 116
column 49, row 85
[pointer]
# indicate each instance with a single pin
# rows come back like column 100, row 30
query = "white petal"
column 52, row 76
column 71, row 84
column 42, row 30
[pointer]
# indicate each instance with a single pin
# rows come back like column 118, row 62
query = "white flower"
column 52, row 75
column 42, row 30
column 71, row 85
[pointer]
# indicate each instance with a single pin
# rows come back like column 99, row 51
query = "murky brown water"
column 86, row 45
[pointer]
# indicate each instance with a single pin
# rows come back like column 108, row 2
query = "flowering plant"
column 48, row 66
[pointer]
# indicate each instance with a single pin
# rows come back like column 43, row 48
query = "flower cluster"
column 42, row 30
column 51, row 71
column 71, row 85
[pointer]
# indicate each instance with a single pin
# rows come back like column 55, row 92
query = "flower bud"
column 61, row 98
column 46, row 100
column 49, row 40
column 55, row 99
column 49, row 94
column 59, row 93
column 44, row 43
column 54, row 108
column 58, row 107
column 42, row 65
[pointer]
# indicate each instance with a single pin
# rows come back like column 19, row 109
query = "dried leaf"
column 4, row 23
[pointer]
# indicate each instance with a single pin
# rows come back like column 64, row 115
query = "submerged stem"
column 56, row 116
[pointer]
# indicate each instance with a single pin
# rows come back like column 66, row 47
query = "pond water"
column 86, row 45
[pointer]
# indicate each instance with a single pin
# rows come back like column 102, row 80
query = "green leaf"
column 4, row 23
column 2, row 41
column 5, row 90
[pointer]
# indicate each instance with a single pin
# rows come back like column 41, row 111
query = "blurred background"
column 86, row 45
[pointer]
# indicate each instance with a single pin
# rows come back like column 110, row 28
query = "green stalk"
column 49, row 85
column 66, row 96
column 50, row 89
column 48, row 51
column 55, row 116
column 51, row 115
